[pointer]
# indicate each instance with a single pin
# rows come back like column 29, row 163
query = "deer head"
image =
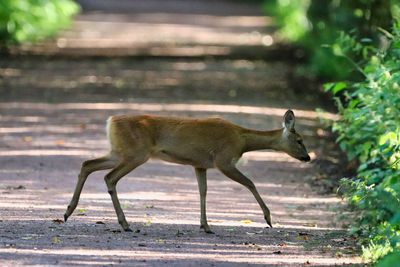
column 292, row 142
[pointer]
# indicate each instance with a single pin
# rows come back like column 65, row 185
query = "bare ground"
column 43, row 144
column 52, row 117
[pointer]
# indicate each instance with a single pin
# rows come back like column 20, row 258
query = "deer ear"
column 288, row 120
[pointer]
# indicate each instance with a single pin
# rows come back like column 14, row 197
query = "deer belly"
column 198, row 159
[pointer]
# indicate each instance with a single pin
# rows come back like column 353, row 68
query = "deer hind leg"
column 88, row 167
column 233, row 173
column 202, row 182
column 112, row 178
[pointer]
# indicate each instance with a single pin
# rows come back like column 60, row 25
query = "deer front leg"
column 202, row 182
column 112, row 179
column 233, row 173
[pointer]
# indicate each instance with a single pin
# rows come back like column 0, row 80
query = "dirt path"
column 52, row 117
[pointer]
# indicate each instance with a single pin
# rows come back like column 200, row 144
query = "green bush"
column 369, row 129
column 291, row 17
column 369, row 104
column 390, row 260
column 25, row 21
column 312, row 24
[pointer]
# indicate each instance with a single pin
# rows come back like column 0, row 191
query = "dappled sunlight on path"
column 192, row 59
column 40, row 161
column 164, row 28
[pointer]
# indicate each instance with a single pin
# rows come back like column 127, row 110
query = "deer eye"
column 299, row 142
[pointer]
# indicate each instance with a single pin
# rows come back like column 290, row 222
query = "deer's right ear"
column 288, row 120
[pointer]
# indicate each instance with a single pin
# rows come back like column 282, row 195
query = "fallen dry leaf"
column 216, row 221
column 60, row 142
column 100, row 222
column 245, row 221
column 58, row 221
column 310, row 224
column 282, row 245
column 27, row 139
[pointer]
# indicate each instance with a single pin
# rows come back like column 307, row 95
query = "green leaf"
column 392, row 259
column 353, row 103
column 366, row 40
column 338, row 87
column 328, row 86
column 396, row 44
column 391, row 137
column 395, row 219
column 337, row 50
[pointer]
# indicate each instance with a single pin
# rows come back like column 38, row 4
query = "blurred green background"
column 356, row 44
column 313, row 24
column 26, row 21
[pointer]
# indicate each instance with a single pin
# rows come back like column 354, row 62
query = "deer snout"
column 306, row 159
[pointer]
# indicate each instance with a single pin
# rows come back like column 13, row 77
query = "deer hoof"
column 268, row 220
column 65, row 217
column 207, row 229
column 128, row 230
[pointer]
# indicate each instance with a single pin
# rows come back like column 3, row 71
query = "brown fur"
column 201, row 143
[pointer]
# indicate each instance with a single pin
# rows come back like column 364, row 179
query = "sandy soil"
column 43, row 144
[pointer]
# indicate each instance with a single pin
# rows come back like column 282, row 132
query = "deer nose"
column 306, row 159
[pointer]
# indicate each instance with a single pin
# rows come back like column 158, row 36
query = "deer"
column 200, row 143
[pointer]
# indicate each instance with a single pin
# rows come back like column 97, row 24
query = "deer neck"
column 258, row 140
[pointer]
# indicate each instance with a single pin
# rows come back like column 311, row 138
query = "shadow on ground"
column 166, row 244
column 43, row 145
column 52, row 118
